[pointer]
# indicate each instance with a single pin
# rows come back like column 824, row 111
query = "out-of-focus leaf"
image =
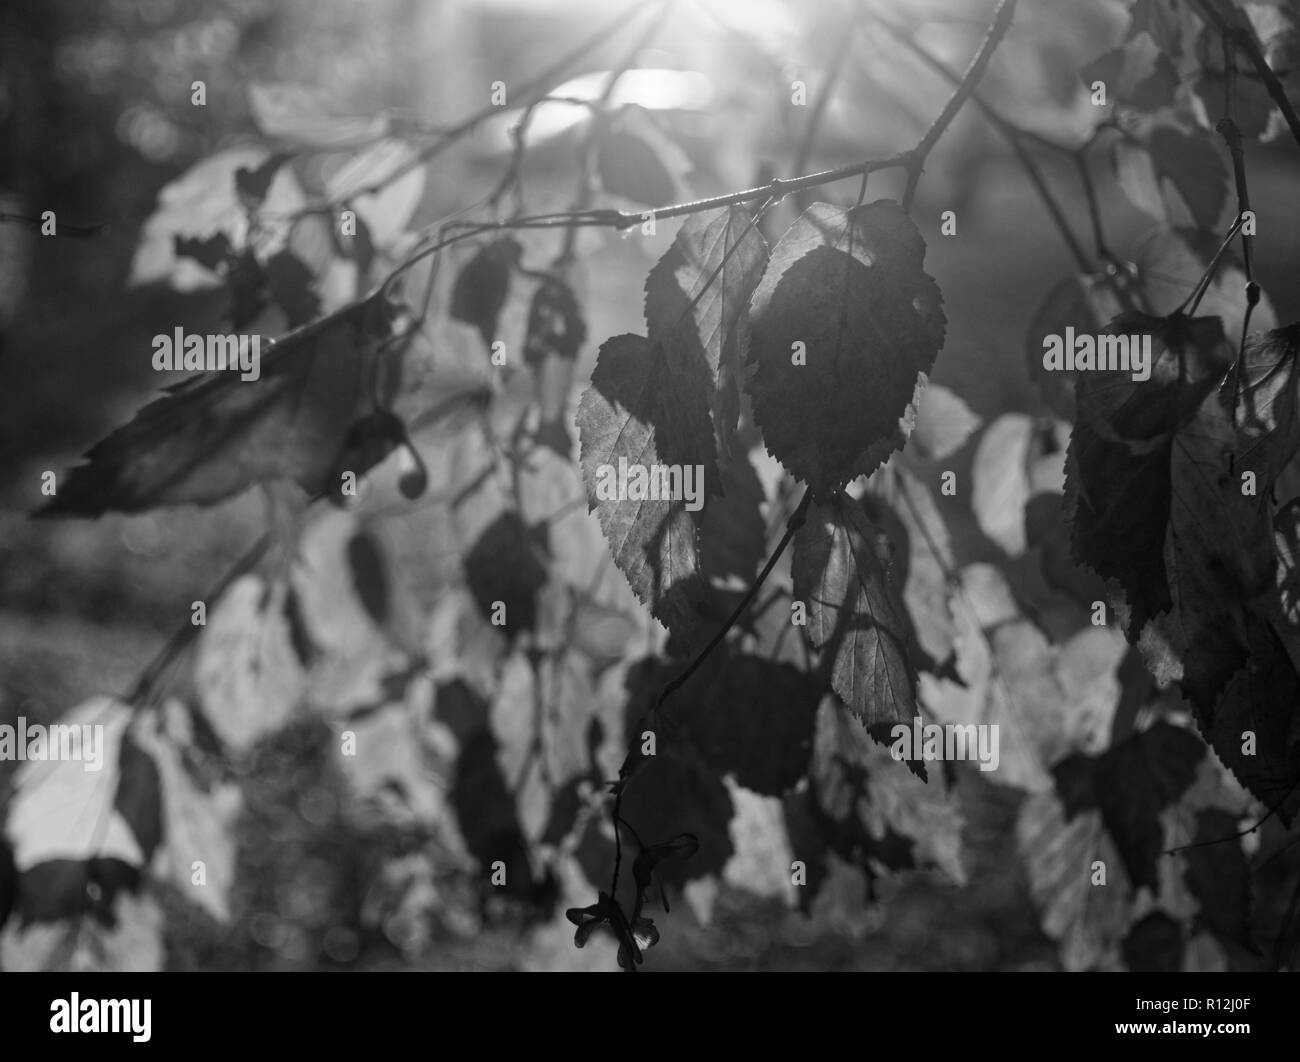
column 306, row 116
column 203, row 202
column 388, row 211
column 215, row 435
column 943, row 424
column 482, row 285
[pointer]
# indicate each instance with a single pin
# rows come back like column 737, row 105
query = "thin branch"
column 796, row 521
column 998, row 30
column 824, row 93
column 1015, row 137
column 532, row 90
column 1244, row 38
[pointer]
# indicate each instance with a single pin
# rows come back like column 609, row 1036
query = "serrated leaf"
column 905, row 508
column 849, row 286
column 854, row 615
column 634, row 415
column 696, row 308
column 1119, row 463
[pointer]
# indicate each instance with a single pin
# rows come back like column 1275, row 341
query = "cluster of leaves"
column 486, row 707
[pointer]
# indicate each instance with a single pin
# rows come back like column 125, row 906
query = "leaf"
column 291, row 287
column 482, row 285
column 66, row 809
column 214, row 435
column 637, row 161
column 1188, row 160
column 505, row 569
column 128, row 940
column 247, row 677
column 199, row 826
column 756, row 722
column 1170, row 263
column 1137, row 74
column 761, row 863
column 1060, row 854
column 306, row 116
column 388, row 210
column 848, row 286
column 1131, row 783
column 696, row 308
column 634, row 415
column 1046, row 700
column 675, row 794
column 868, row 810
column 1000, row 480
column 203, row 203
column 854, row 615
column 556, row 327
column 733, row 535
column 252, row 184
column 1154, row 945
column 905, row 509
column 540, row 717
column 1119, row 467
column 1218, row 875
column 944, row 423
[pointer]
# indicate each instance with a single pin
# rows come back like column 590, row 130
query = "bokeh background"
column 95, row 120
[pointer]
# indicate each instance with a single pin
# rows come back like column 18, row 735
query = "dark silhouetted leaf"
column 756, row 722
column 697, row 307
column 507, row 565
column 555, row 323
column 850, row 288
column 290, row 283
column 1154, row 945
column 253, row 184
column 1130, row 784
column 637, row 413
column 1218, row 875
column 482, row 285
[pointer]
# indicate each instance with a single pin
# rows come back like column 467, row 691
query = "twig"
column 998, row 30
column 1016, row 137
column 796, row 521
column 1244, row 38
